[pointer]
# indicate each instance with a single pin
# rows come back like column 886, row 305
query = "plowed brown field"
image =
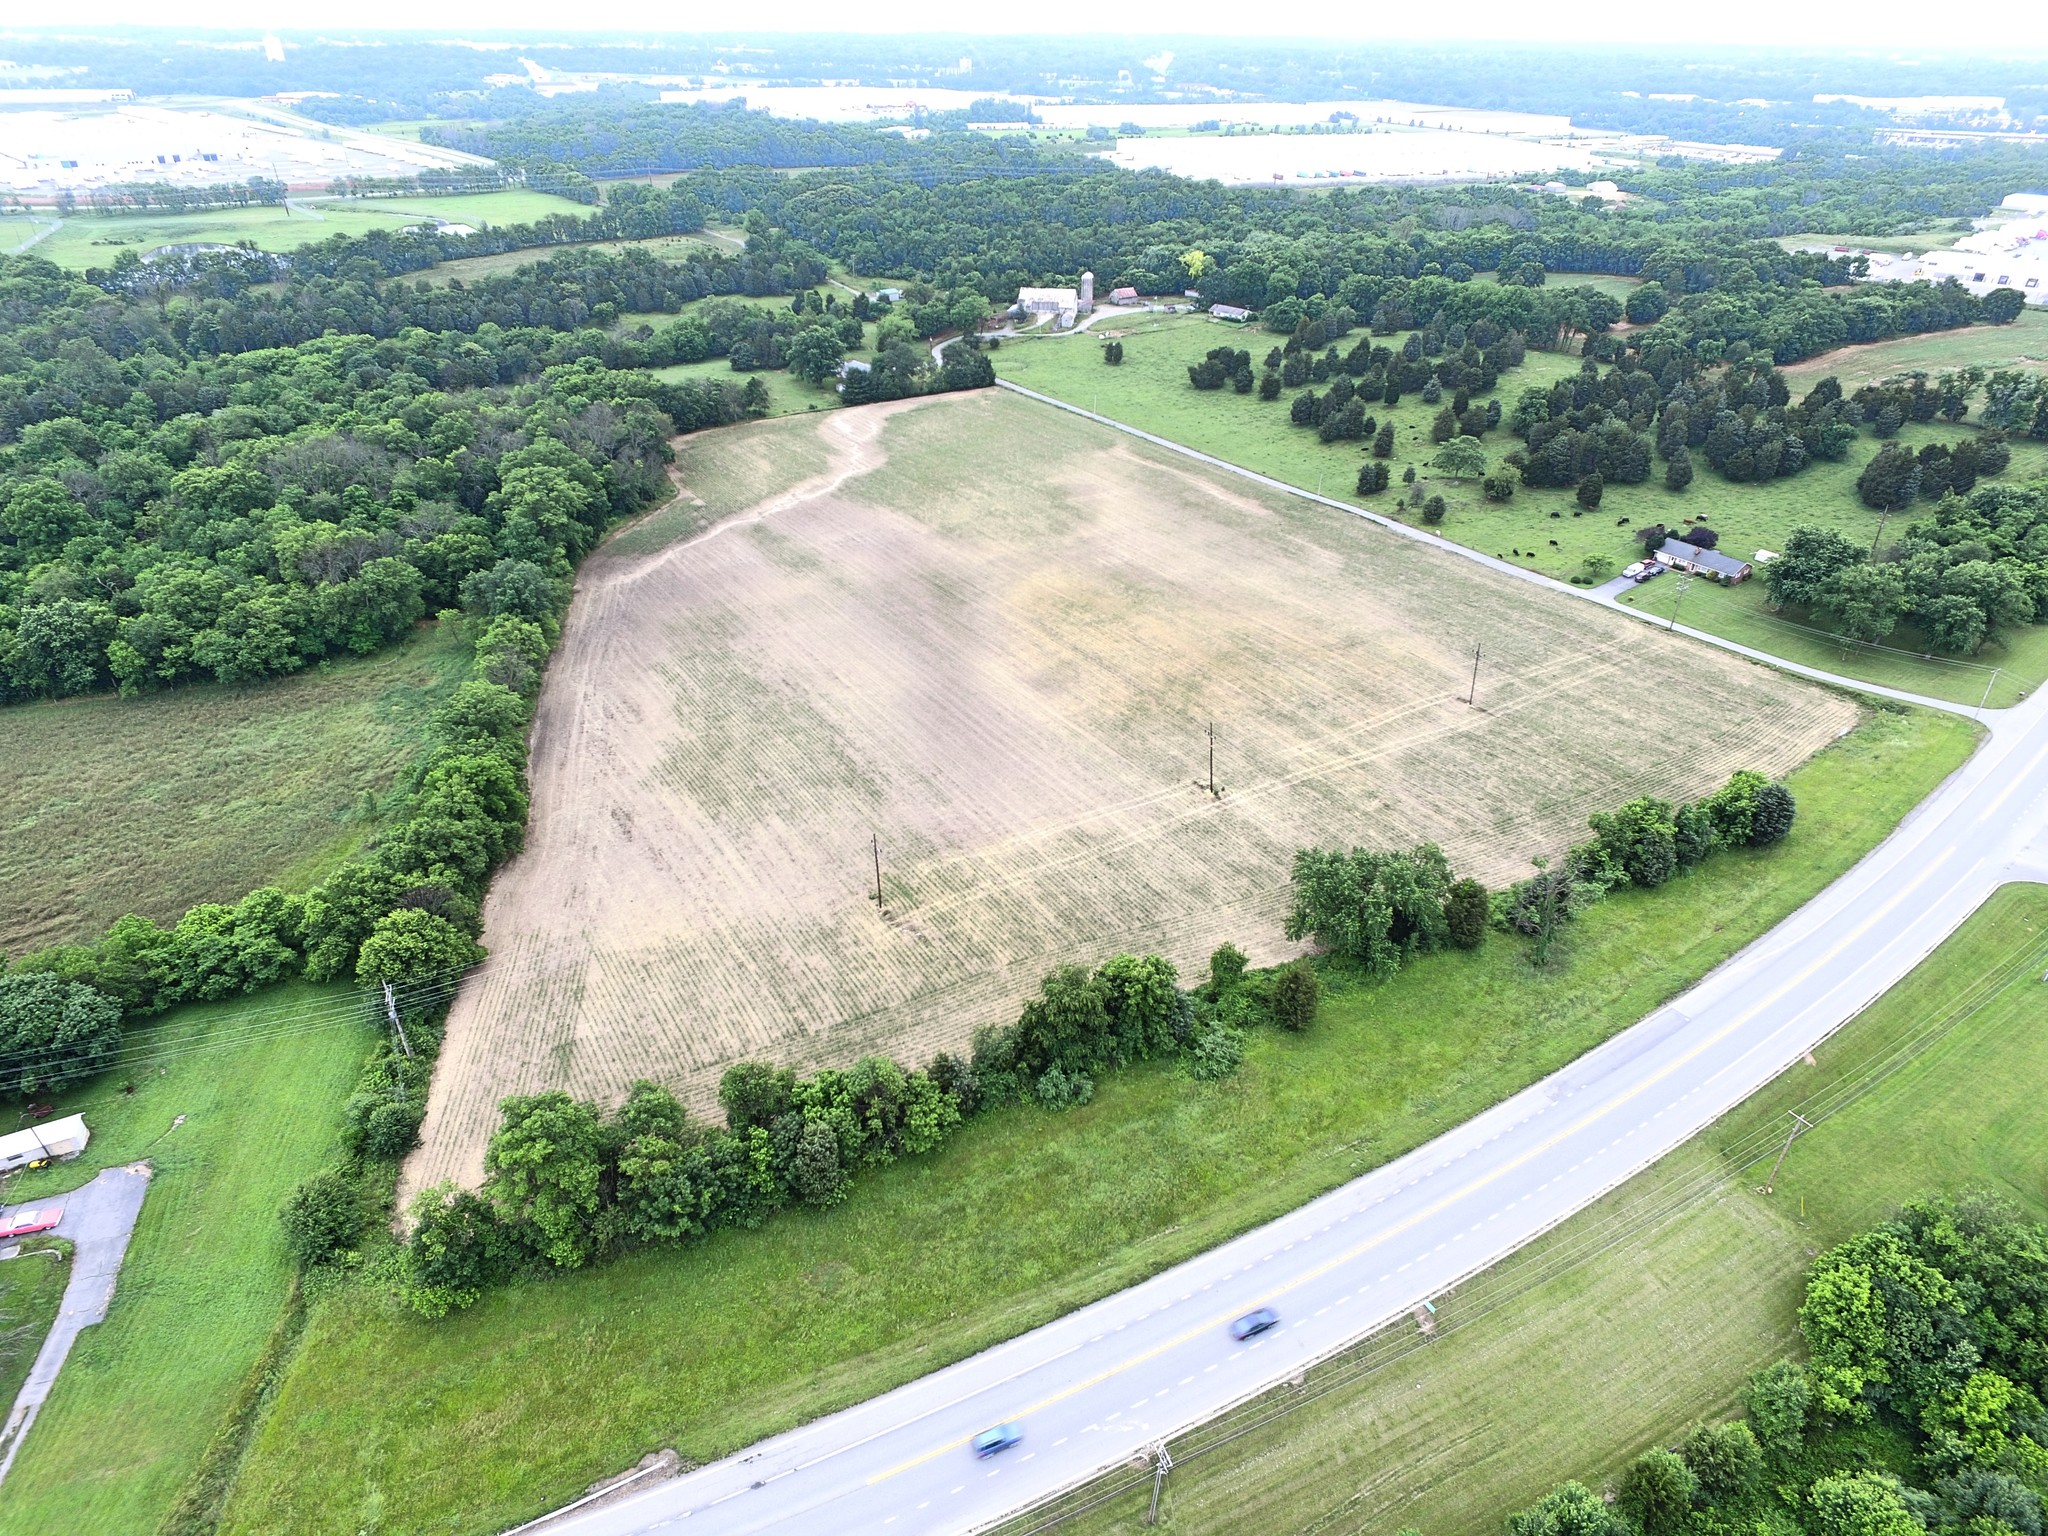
column 993, row 636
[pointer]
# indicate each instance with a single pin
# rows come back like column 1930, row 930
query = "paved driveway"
column 98, row 1220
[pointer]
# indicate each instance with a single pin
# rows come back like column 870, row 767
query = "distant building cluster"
column 1065, row 305
column 81, row 148
column 2013, row 254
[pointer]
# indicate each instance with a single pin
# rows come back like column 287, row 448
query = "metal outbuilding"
column 56, row 1141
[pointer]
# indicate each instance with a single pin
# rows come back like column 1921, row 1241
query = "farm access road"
column 1101, row 1386
column 98, row 1219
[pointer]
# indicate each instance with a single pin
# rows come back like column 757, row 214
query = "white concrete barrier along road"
column 1100, row 1385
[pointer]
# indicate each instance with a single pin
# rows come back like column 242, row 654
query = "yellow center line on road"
column 1591, row 1118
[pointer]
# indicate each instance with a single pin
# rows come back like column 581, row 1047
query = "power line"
column 1381, row 1349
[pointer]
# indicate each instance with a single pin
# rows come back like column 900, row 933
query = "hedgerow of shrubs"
column 567, row 1184
column 1378, row 909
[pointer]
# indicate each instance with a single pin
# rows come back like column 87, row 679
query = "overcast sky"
column 1876, row 25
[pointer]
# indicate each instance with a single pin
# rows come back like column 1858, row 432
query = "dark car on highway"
column 1254, row 1323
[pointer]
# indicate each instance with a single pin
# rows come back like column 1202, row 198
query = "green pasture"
column 386, row 1421
column 788, row 395
column 1648, row 1310
column 94, row 240
column 515, row 205
column 470, row 268
column 17, row 228
column 1541, row 530
column 151, row 804
column 2022, row 344
column 259, row 1084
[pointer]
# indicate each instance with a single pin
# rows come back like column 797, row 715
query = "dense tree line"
column 1643, row 844
column 1741, row 419
column 567, row 1184
column 1838, row 190
column 616, row 138
column 1970, row 571
column 1378, row 910
column 1927, row 1329
column 351, row 296
column 168, row 197
column 330, row 498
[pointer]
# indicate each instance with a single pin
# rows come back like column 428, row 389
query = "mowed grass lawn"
column 493, row 1415
column 1997, row 676
column 2022, row 344
column 260, row 1085
column 110, row 806
column 1541, row 530
column 31, row 1289
column 1648, row 1310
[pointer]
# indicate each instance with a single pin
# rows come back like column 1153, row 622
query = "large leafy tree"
column 53, row 1033
column 1373, row 908
column 542, row 1170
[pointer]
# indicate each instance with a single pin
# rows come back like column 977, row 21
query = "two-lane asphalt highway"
column 1100, row 1385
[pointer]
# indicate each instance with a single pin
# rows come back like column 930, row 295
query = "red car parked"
column 26, row 1223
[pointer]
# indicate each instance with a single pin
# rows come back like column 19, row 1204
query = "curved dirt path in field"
column 994, row 638
column 587, row 713
column 853, row 441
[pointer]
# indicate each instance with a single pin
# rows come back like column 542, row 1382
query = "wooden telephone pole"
column 1799, row 1123
column 1215, row 789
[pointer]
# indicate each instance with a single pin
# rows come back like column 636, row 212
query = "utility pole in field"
column 875, row 843
column 1799, row 1123
column 1678, row 597
column 1162, row 1463
column 391, row 1012
column 1472, row 693
column 1215, row 789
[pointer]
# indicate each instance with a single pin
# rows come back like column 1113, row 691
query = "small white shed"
column 54, row 1141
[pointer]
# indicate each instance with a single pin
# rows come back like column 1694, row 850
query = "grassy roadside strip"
column 1648, row 1309
column 197, row 1512
column 491, row 1416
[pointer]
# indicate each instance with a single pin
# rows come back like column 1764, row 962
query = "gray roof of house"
column 1706, row 559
